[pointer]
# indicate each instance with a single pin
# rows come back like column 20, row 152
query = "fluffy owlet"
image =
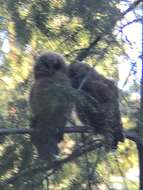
column 99, row 107
column 50, row 101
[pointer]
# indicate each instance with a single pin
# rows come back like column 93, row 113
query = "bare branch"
column 11, row 131
column 131, row 22
column 75, row 129
column 132, row 6
column 86, row 51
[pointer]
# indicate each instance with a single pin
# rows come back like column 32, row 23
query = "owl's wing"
column 104, row 115
column 98, row 89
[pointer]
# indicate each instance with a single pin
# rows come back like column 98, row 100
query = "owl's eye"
column 57, row 66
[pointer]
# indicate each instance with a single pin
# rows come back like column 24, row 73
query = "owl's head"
column 76, row 72
column 79, row 69
column 48, row 64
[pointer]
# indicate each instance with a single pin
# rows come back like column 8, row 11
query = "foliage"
column 82, row 30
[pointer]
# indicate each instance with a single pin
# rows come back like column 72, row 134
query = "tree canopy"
column 81, row 30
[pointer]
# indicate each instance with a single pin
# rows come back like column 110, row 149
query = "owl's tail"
column 48, row 151
column 46, row 141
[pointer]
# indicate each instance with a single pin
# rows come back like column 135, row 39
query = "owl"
column 50, row 101
column 99, row 104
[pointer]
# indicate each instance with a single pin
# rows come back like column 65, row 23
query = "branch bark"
column 75, row 129
column 86, row 51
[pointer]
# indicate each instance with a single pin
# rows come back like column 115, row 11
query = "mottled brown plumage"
column 99, row 106
column 50, row 102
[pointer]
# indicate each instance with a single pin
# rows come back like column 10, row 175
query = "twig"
column 85, row 52
column 129, row 23
column 77, row 129
column 55, row 165
column 133, row 5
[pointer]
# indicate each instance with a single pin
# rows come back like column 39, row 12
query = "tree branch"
column 54, row 165
column 79, row 152
column 85, row 52
column 75, row 129
column 129, row 23
column 132, row 6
